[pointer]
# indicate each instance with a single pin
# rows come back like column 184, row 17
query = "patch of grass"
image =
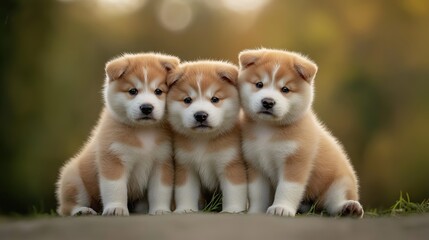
column 215, row 203
column 403, row 206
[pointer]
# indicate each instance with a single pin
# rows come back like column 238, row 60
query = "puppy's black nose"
column 201, row 116
column 146, row 108
column 268, row 103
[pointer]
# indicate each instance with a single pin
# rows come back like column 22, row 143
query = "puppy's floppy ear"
column 248, row 58
column 174, row 76
column 229, row 73
column 305, row 68
column 116, row 68
column 169, row 62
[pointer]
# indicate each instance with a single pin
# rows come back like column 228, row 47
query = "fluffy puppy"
column 203, row 106
column 284, row 142
column 119, row 161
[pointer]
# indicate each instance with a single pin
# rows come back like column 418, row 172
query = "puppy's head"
column 203, row 98
column 135, row 87
column 275, row 86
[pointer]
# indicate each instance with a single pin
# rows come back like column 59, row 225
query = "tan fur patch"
column 69, row 199
column 167, row 173
column 231, row 139
column 235, row 171
column 88, row 172
column 111, row 166
column 252, row 173
column 181, row 174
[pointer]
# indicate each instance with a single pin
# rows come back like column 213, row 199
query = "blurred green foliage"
column 371, row 89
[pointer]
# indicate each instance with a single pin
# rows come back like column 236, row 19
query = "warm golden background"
column 372, row 89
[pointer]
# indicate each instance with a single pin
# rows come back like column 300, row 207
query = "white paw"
column 159, row 212
column 116, row 211
column 232, row 210
column 182, row 211
column 281, row 211
column 352, row 208
column 83, row 211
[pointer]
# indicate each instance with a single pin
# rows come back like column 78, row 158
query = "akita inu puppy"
column 203, row 106
column 130, row 149
column 284, row 142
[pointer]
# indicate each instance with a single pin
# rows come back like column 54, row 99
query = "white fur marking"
column 336, row 196
column 273, row 76
column 145, row 73
column 287, row 198
column 199, row 79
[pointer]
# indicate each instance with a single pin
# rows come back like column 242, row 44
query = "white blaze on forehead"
column 199, row 79
column 274, row 73
column 145, row 71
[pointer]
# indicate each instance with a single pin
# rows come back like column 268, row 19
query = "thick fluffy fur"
column 283, row 141
column 119, row 162
column 207, row 151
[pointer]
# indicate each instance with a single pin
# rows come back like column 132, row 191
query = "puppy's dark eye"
column 187, row 100
column 215, row 99
column 259, row 85
column 158, row 91
column 285, row 89
column 133, row 91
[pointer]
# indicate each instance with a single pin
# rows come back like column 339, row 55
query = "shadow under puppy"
column 118, row 163
column 203, row 106
column 284, row 142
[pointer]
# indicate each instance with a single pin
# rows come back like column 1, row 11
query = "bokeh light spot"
column 244, row 5
column 119, row 7
column 175, row 15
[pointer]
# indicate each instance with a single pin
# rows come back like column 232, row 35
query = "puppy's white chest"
column 265, row 153
column 206, row 163
column 142, row 155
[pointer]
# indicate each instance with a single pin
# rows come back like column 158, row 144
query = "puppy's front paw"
column 281, row 211
column 182, row 211
column 83, row 211
column 116, row 211
column 232, row 210
column 159, row 212
column 352, row 209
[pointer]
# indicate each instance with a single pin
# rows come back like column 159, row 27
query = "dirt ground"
column 216, row 227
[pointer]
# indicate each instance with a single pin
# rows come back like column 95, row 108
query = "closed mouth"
column 266, row 112
column 202, row 126
column 146, row 118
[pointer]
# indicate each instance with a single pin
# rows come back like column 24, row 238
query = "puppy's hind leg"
column 341, row 198
column 71, row 194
